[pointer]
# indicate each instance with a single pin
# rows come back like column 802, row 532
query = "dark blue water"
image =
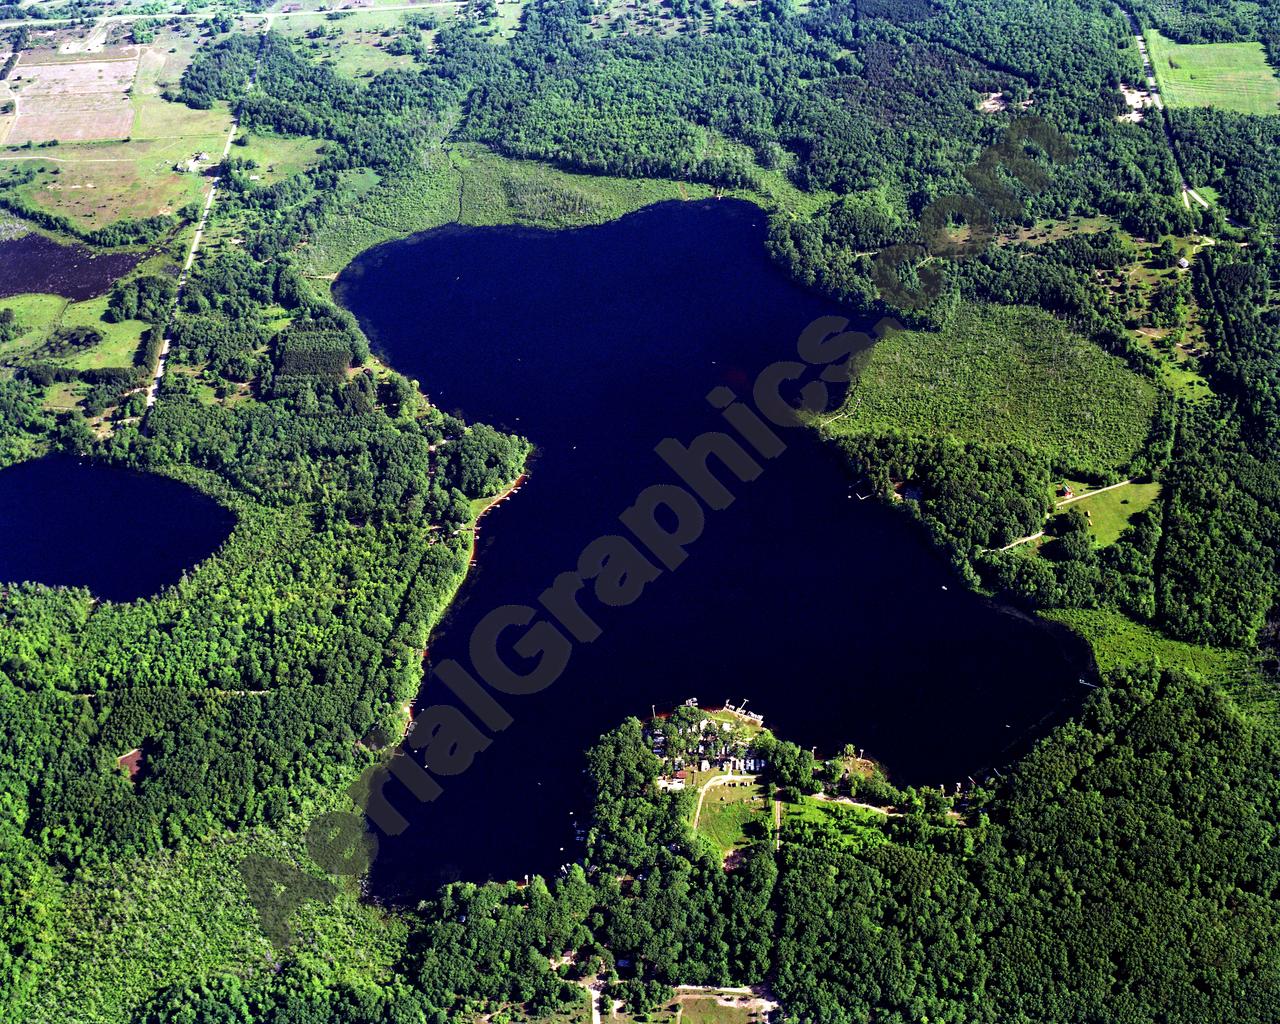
column 121, row 534
column 831, row 615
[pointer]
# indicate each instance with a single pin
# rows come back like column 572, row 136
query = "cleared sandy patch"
column 82, row 101
column 1137, row 100
column 993, row 103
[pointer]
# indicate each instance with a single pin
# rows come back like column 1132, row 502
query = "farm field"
column 1231, row 76
column 1011, row 374
column 133, row 175
column 70, row 101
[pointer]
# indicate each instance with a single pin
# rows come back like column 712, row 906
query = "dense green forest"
column 1081, row 890
column 1125, row 870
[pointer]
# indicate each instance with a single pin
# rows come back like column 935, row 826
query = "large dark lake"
column 121, row 534
column 833, row 616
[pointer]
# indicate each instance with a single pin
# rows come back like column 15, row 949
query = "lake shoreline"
column 751, row 615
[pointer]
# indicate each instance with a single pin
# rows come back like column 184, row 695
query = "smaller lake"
column 122, row 534
column 34, row 264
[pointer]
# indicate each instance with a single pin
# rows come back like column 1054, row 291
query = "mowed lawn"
column 1230, row 76
column 1002, row 375
column 1109, row 512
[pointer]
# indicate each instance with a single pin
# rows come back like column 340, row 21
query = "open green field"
column 733, row 816
column 1007, row 375
column 36, row 316
column 277, row 157
column 41, row 315
column 498, row 191
column 119, row 345
column 709, row 1011
column 358, row 43
column 1109, row 512
column 1119, row 642
column 856, row 826
column 1231, row 76
column 689, row 1008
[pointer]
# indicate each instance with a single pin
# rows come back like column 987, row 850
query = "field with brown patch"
column 96, row 183
column 71, row 101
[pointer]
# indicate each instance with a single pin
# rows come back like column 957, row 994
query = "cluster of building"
column 689, row 741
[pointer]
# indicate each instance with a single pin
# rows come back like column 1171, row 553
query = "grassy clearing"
column 1177, row 346
column 1118, row 642
column 277, row 157
column 1231, row 76
column 733, row 815
column 857, row 826
column 119, row 345
column 42, row 315
column 690, row 1009
column 1110, row 511
column 707, row 1010
column 1045, row 231
column 357, row 43
column 497, row 191
column 1010, row 375
column 37, row 314
column 775, row 190
column 657, row 18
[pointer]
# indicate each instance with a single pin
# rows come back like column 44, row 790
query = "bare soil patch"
column 79, row 101
column 993, row 103
column 1137, row 100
